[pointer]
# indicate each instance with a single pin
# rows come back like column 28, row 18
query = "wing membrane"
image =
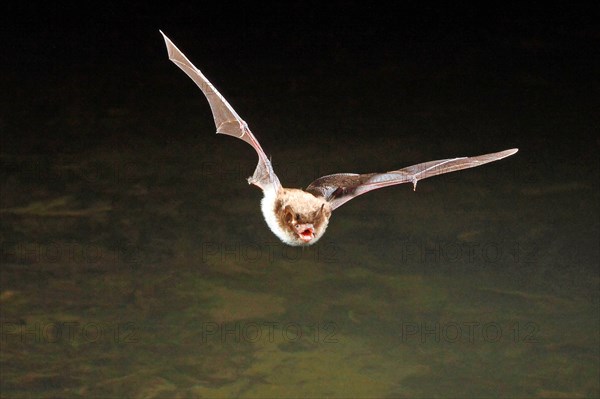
column 226, row 119
column 342, row 187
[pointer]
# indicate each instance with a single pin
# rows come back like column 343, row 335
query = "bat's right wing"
column 226, row 119
column 342, row 187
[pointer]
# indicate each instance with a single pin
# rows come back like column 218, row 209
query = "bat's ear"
column 288, row 214
column 324, row 211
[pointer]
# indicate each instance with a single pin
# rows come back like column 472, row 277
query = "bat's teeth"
column 307, row 234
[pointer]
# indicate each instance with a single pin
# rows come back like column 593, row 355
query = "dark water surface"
column 135, row 261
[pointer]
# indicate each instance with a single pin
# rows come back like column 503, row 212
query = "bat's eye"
column 298, row 217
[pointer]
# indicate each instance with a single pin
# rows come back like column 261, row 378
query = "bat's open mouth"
column 306, row 232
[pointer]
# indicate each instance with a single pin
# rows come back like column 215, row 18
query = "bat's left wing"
column 226, row 119
column 342, row 187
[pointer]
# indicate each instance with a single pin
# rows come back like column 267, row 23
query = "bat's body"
column 300, row 217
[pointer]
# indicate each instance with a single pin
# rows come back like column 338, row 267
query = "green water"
column 149, row 273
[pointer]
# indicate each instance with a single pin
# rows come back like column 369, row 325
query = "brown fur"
column 295, row 206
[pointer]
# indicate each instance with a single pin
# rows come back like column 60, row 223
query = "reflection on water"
column 123, row 280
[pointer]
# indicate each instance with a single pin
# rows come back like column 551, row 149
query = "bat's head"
column 304, row 226
column 296, row 217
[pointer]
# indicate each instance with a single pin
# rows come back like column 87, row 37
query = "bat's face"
column 295, row 216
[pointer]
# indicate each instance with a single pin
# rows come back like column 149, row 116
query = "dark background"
column 528, row 72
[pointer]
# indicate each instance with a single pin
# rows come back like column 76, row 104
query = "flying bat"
column 300, row 217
